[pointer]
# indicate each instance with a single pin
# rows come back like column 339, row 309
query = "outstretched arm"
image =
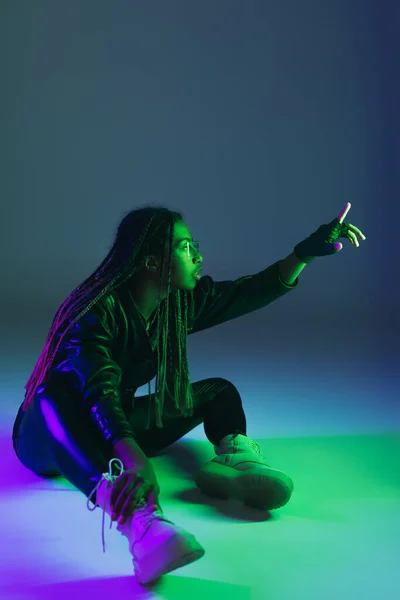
column 290, row 268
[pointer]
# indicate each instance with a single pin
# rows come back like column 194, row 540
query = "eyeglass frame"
column 194, row 244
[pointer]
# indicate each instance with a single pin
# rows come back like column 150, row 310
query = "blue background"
column 258, row 120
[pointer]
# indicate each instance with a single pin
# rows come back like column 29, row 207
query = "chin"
column 183, row 286
column 188, row 286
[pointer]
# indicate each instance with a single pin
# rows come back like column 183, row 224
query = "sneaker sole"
column 267, row 491
column 185, row 548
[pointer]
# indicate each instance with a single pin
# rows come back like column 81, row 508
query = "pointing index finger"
column 344, row 212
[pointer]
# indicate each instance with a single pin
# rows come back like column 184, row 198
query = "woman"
column 125, row 324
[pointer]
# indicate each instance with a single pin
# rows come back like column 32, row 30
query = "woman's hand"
column 128, row 490
column 324, row 241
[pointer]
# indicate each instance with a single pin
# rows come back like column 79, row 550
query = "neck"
column 145, row 298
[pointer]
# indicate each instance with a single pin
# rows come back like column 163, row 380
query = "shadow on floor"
column 327, row 472
column 169, row 586
column 189, row 456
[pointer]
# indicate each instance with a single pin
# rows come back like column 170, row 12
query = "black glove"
column 322, row 242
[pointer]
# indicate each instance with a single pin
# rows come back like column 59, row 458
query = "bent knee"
column 223, row 383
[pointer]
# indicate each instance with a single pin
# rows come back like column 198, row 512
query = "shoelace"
column 254, row 446
column 105, row 477
column 145, row 514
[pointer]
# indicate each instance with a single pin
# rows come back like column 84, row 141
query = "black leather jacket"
column 106, row 356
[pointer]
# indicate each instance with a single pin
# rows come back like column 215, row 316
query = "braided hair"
column 141, row 232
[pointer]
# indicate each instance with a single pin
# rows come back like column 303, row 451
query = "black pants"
column 55, row 436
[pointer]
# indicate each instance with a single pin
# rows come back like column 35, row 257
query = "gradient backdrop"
column 259, row 120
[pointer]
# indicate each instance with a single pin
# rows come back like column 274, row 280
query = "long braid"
column 77, row 302
column 185, row 371
column 182, row 388
column 181, row 394
column 109, row 276
column 162, row 328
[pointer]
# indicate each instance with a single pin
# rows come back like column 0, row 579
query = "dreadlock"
column 142, row 231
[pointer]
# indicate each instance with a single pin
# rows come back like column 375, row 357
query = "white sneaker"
column 157, row 545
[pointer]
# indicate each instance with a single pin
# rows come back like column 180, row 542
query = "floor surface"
column 334, row 430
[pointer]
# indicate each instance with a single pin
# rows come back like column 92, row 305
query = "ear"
column 151, row 263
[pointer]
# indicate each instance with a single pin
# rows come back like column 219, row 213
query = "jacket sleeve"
column 86, row 357
column 215, row 302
